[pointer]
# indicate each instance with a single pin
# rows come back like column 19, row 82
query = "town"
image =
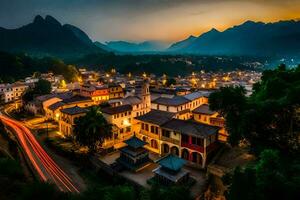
column 149, row 100
column 161, row 128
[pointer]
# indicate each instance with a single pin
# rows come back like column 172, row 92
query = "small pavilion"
column 134, row 156
column 170, row 171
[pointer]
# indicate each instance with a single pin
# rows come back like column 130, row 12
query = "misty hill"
column 47, row 37
column 249, row 38
column 182, row 44
column 147, row 46
column 103, row 46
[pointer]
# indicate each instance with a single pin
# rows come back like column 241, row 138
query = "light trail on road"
column 44, row 165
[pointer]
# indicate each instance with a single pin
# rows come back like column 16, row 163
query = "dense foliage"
column 15, row 67
column 41, row 87
column 172, row 65
column 269, row 117
column 273, row 177
column 269, row 121
column 92, row 129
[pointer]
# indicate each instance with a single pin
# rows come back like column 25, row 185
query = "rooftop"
column 175, row 101
column 117, row 109
column 56, row 105
column 204, row 109
column 171, row 162
column 135, row 142
column 190, row 128
column 76, row 98
column 156, row 117
column 74, row 110
column 63, row 96
column 131, row 100
column 196, row 95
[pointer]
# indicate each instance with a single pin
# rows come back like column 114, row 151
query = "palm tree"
column 92, row 129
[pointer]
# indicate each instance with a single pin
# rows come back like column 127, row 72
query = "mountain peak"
column 214, row 30
column 191, row 37
column 52, row 20
column 38, row 19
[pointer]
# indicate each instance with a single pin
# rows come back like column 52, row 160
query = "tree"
column 272, row 177
column 92, row 129
column 242, row 184
column 159, row 192
column 120, row 192
column 42, row 87
column 170, row 81
column 231, row 103
column 268, row 118
column 40, row 190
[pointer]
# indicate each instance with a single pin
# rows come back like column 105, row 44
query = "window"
column 146, row 127
column 165, row 133
column 194, row 140
column 143, row 126
column 121, row 130
column 185, row 138
column 152, row 129
column 127, row 129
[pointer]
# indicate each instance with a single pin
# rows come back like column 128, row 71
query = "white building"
column 11, row 92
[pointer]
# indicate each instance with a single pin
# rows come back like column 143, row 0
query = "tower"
column 146, row 98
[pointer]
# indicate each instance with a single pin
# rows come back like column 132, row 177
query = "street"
column 44, row 165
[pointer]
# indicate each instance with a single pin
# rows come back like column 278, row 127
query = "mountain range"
column 47, row 37
column 146, row 46
column 250, row 38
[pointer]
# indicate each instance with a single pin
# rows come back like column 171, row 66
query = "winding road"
column 44, row 165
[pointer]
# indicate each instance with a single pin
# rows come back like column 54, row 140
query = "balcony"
column 151, row 135
column 170, row 140
column 192, row 147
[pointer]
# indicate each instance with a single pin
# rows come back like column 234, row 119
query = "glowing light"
column 57, row 116
column 164, row 82
column 144, row 75
column 126, row 122
column 63, row 84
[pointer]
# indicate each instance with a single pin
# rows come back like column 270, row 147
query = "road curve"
column 44, row 165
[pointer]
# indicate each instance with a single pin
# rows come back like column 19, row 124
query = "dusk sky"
column 139, row 20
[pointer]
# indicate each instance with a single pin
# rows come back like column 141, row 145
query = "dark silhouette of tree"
column 270, row 178
column 231, row 103
column 170, row 81
column 92, row 129
column 268, row 118
column 42, row 87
